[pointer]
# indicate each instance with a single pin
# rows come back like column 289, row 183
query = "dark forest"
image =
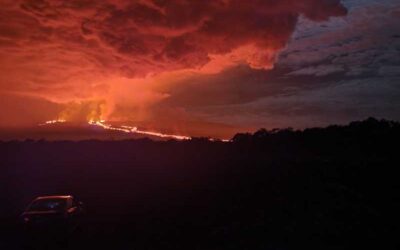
column 332, row 188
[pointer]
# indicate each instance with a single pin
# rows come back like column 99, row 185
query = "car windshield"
column 48, row 205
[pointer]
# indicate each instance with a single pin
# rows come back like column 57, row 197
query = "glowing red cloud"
column 136, row 38
column 85, row 52
column 157, row 36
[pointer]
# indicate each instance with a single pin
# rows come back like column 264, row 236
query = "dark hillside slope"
column 323, row 188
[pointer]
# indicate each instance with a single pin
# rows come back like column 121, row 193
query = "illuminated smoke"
column 91, row 54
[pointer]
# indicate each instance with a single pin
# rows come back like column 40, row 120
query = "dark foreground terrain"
column 331, row 188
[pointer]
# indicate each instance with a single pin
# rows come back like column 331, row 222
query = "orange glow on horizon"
column 126, row 129
column 53, row 122
column 130, row 129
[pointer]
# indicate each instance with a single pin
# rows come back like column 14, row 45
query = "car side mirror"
column 72, row 210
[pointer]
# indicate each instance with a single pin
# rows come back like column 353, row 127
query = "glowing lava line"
column 129, row 129
column 53, row 122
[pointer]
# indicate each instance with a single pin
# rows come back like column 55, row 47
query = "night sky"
column 209, row 68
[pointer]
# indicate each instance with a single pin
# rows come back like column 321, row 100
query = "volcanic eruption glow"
column 213, row 72
column 131, row 129
column 124, row 128
column 53, row 122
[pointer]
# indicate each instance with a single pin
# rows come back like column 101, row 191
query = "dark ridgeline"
column 321, row 188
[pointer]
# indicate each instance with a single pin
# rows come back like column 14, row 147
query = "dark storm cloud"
column 331, row 72
column 360, row 44
column 241, row 85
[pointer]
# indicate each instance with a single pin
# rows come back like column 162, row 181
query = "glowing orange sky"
column 129, row 61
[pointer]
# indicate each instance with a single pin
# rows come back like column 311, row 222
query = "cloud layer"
column 178, row 61
column 46, row 43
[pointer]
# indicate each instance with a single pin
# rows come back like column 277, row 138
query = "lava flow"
column 52, row 122
column 130, row 129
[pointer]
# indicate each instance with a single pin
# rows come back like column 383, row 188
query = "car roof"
column 54, row 197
